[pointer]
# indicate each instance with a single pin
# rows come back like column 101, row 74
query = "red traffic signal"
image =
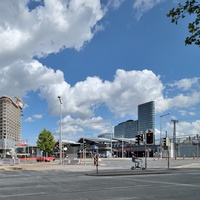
column 149, row 138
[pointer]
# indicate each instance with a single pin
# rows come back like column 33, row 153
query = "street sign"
column 96, row 147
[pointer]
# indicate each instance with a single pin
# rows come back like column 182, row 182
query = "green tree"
column 191, row 7
column 46, row 141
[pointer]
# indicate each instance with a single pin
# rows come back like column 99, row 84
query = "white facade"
column 10, row 122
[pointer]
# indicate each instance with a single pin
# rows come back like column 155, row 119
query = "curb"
column 11, row 168
column 127, row 173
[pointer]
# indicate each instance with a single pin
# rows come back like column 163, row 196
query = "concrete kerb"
column 49, row 167
column 129, row 173
column 10, row 168
column 192, row 165
column 149, row 171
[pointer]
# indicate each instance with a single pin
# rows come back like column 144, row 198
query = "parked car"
column 45, row 159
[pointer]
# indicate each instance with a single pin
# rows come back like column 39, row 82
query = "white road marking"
column 21, row 195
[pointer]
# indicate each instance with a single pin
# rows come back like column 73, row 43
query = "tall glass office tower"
column 146, row 116
column 146, row 120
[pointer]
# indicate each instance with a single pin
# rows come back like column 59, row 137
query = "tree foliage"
column 46, row 141
column 191, row 7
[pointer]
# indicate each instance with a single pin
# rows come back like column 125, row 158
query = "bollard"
column 154, row 156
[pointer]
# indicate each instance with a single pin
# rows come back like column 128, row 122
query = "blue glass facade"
column 127, row 129
column 146, row 120
column 146, row 116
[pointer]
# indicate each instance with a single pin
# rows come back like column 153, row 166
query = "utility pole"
column 111, row 146
column 122, row 146
column 60, row 136
column 174, row 136
column 161, row 116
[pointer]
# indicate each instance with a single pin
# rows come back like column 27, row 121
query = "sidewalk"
column 103, row 166
column 192, row 165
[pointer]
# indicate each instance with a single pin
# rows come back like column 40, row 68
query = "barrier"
column 10, row 161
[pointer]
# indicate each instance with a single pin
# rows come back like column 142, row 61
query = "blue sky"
column 103, row 58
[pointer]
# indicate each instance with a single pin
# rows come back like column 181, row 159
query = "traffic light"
column 84, row 145
column 56, row 146
column 137, row 139
column 149, row 138
column 164, row 142
column 141, row 137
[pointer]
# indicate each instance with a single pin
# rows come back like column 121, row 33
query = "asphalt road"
column 67, row 183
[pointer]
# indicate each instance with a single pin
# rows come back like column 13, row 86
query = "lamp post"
column 111, row 145
column 174, row 137
column 122, row 146
column 161, row 132
column 60, row 137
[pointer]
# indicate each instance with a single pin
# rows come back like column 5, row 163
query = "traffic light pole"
column 149, row 140
column 145, row 148
column 84, row 150
column 168, row 157
column 60, row 136
column 161, row 116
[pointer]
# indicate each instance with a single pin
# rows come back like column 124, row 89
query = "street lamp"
column 60, row 138
column 161, row 132
column 111, row 145
column 174, row 137
column 122, row 146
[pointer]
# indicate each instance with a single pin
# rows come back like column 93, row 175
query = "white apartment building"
column 10, row 122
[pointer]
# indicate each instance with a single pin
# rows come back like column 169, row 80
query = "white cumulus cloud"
column 46, row 29
column 186, row 83
column 184, row 129
column 143, row 6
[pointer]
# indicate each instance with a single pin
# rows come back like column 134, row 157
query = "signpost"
column 96, row 158
column 198, row 145
column 149, row 140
